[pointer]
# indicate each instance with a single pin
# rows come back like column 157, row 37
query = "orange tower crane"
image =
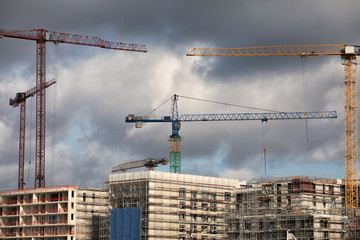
column 20, row 98
column 41, row 36
column 348, row 54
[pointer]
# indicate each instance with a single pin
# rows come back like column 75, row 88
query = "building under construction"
column 63, row 212
column 175, row 206
column 307, row 208
column 159, row 205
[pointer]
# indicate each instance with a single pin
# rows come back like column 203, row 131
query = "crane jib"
column 257, row 116
column 237, row 117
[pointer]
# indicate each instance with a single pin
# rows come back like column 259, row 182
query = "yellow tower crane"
column 348, row 54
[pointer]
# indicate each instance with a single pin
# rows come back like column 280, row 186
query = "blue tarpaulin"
column 125, row 223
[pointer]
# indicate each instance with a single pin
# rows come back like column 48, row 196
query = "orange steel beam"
column 290, row 50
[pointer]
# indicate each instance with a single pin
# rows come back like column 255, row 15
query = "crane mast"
column 175, row 120
column 175, row 139
column 41, row 36
column 348, row 53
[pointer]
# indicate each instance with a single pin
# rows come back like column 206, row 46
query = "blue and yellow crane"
column 175, row 120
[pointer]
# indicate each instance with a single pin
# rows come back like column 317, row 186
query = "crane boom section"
column 149, row 163
column 237, row 117
column 257, row 116
column 22, row 96
column 290, row 50
column 129, row 165
column 55, row 37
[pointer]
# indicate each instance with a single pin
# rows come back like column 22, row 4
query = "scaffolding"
column 92, row 204
column 104, row 226
column 175, row 206
column 311, row 208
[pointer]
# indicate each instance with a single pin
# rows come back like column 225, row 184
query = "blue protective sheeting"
column 125, row 224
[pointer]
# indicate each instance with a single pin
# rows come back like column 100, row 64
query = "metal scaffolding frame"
column 311, row 208
column 175, row 206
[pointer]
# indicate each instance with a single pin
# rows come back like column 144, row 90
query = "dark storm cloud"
column 98, row 88
column 180, row 26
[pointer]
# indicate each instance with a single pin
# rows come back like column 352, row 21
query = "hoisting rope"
column 264, row 122
column 30, row 138
column 303, row 60
column 54, row 127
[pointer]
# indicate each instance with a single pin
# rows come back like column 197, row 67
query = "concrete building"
column 309, row 208
column 63, row 212
column 175, row 206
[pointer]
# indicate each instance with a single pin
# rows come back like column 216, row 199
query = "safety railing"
column 39, row 200
column 40, row 233
column 31, row 223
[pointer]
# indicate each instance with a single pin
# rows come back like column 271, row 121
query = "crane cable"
column 230, row 104
column 30, row 138
column 158, row 107
column 54, row 127
column 211, row 101
column 304, row 70
column 264, row 122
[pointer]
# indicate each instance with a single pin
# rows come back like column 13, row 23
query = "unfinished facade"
column 308, row 207
column 63, row 212
column 175, row 206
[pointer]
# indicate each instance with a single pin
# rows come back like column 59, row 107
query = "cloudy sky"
column 86, row 134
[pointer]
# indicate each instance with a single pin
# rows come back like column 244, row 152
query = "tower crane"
column 175, row 120
column 20, row 99
column 149, row 163
column 348, row 54
column 41, row 36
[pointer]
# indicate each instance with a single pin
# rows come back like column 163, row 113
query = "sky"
column 86, row 133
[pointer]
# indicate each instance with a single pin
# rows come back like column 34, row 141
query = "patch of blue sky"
column 74, row 135
column 312, row 169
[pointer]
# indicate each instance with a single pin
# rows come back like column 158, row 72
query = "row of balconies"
column 33, row 223
column 37, row 233
column 34, row 211
column 29, row 201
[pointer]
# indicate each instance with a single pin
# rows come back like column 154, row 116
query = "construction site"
column 152, row 205
column 179, row 206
